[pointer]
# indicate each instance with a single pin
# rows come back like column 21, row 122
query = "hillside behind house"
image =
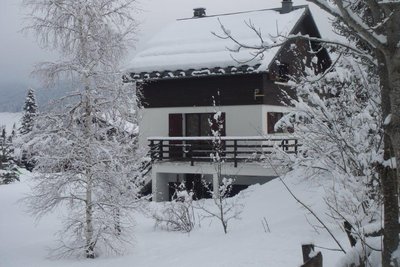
column 12, row 95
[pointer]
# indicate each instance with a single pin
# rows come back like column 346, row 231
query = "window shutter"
column 175, row 124
column 270, row 122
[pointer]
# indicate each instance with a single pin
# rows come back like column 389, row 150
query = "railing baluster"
column 190, row 154
column 152, row 150
column 235, row 153
column 191, row 149
column 161, row 150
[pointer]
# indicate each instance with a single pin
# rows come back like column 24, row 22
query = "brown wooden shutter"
column 270, row 122
column 175, row 124
column 175, row 128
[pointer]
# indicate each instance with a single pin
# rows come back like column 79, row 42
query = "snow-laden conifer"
column 30, row 110
column 8, row 169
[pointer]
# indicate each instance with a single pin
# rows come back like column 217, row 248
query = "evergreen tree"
column 27, row 121
column 13, row 133
column 30, row 110
column 8, row 168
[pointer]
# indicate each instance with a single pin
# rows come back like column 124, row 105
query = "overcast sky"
column 19, row 52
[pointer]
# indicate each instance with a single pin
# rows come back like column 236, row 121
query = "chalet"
column 187, row 73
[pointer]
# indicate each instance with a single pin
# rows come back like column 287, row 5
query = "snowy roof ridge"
column 187, row 47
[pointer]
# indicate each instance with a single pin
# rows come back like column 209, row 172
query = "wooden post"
column 307, row 249
column 152, row 150
column 235, row 152
column 190, row 155
column 315, row 260
column 161, row 150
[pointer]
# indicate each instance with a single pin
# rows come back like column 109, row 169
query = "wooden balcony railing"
column 233, row 148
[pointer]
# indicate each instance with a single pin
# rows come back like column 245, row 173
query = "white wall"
column 250, row 120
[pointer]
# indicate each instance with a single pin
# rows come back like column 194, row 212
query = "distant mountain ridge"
column 12, row 95
column 8, row 119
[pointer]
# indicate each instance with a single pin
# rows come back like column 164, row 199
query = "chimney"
column 199, row 12
column 287, row 6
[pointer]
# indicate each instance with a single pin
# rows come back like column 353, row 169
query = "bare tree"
column 85, row 148
column 374, row 28
column 224, row 208
column 177, row 214
column 337, row 117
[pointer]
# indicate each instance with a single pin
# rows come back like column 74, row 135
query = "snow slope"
column 23, row 243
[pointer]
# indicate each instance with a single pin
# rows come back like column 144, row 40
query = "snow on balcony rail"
column 223, row 138
column 232, row 148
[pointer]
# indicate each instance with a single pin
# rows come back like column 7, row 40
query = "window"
column 272, row 119
column 195, row 124
column 198, row 124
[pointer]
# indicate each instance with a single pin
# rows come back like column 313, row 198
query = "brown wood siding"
column 237, row 89
column 227, row 90
column 298, row 58
column 273, row 93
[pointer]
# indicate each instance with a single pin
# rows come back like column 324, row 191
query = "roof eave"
column 179, row 74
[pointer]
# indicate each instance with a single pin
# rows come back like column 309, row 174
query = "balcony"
column 233, row 149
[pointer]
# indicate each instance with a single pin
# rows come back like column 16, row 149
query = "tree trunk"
column 90, row 242
column 89, row 219
column 390, row 177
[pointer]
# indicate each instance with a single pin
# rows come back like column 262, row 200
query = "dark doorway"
column 201, row 124
column 195, row 182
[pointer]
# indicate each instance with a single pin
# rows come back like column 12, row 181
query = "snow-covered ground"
column 8, row 119
column 24, row 242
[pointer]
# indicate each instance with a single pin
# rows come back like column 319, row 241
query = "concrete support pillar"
column 160, row 186
column 215, row 184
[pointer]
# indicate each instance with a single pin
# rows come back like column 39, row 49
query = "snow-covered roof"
column 189, row 44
